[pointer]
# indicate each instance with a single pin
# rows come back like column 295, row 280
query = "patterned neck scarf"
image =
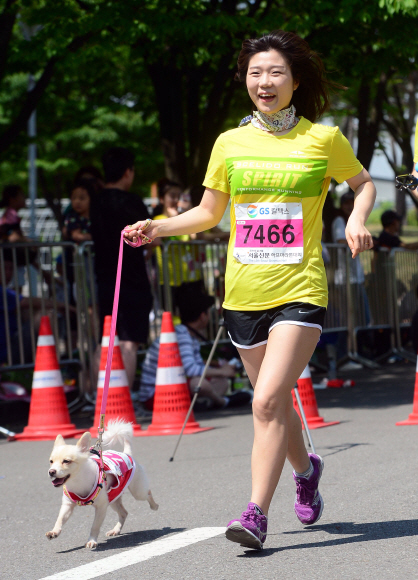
column 280, row 121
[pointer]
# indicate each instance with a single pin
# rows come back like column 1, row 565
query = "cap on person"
column 192, row 303
column 388, row 217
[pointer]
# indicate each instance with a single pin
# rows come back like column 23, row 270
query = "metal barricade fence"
column 85, row 296
column 373, row 297
column 32, row 285
column 195, row 262
column 57, row 279
column 404, row 289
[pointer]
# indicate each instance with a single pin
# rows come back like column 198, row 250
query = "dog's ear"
column 59, row 441
column 84, row 442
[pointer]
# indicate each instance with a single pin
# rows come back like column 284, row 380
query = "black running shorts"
column 248, row 329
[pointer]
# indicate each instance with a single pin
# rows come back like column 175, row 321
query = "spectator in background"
column 338, row 237
column 194, row 312
column 181, row 266
column 110, row 211
column 185, row 202
column 357, row 285
column 92, row 174
column 77, row 228
column 13, row 200
column 168, row 197
column 77, row 224
column 389, row 237
column 13, row 298
column 415, row 168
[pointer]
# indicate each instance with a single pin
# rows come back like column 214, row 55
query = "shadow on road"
column 359, row 533
column 334, row 449
column 129, row 540
column 387, row 386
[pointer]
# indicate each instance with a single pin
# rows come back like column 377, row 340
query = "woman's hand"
column 358, row 236
column 137, row 231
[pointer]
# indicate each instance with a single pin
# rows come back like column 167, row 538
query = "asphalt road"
column 368, row 529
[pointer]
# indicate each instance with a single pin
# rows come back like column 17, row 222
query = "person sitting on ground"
column 194, row 312
column 389, row 238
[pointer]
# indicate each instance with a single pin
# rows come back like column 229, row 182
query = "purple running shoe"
column 250, row 530
column 308, row 502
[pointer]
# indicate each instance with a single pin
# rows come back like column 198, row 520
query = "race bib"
column 269, row 233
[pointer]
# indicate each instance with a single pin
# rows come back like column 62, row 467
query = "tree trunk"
column 370, row 116
column 168, row 86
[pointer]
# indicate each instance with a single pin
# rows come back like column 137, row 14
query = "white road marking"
column 139, row 554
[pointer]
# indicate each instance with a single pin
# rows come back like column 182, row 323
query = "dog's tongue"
column 58, row 481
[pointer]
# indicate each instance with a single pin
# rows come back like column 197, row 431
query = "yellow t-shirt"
column 416, row 145
column 277, row 187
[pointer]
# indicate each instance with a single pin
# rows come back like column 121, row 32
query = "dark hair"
column 7, row 255
column 388, row 217
column 10, row 192
column 88, row 172
column 192, row 300
column 87, row 184
column 311, row 98
column 164, row 185
column 115, row 162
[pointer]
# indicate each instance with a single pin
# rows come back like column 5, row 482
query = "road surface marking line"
column 139, row 554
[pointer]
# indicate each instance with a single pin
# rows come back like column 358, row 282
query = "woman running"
column 276, row 170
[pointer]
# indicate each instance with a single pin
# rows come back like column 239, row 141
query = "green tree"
column 158, row 75
column 366, row 44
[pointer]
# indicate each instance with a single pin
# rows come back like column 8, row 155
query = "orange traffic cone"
column 119, row 402
column 308, row 399
column 172, row 397
column 413, row 417
column 48, row 413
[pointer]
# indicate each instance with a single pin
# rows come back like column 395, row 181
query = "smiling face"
column 62, row 462
column 65, row 460
column 270, row 82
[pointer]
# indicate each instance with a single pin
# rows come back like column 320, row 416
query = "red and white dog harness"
column 121, row 465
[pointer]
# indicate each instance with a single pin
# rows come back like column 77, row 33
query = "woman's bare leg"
column 274, row 370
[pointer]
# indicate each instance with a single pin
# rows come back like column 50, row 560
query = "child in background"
column 179, row 267
column 77, row 224
column 77, row 228
column 13, row 200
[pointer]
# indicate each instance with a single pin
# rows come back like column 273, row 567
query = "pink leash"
column 112, row 337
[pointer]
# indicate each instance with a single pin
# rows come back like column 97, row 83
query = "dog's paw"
column 91, row 544
column 51, row 535
column 113, row 532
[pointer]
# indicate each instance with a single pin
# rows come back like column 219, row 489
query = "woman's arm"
column 203, row 217
column 358, row 236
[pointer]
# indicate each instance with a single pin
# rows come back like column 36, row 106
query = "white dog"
column 77, row 469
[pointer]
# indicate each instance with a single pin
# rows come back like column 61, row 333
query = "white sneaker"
column 351, row 366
